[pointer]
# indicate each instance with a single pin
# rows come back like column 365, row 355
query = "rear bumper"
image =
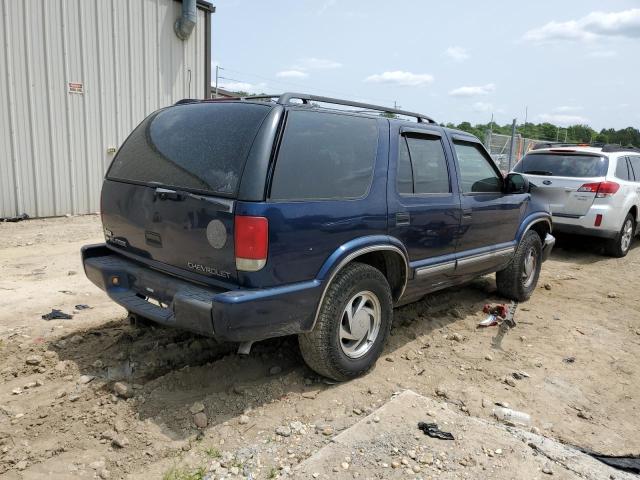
column 228, row 315
column 549, row 242
column 585, row 224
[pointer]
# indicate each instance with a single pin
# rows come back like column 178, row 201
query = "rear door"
column 168, row 197
column 424, row 205
column 559, row 178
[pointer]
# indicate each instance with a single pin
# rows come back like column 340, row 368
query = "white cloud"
column 458, row 54
column 327, row 4
column 562, row 120
column 566, row 108
column 292, row 74
column 482, row 107
column 400, row 77
column 244, row 87
column 312, row 63
column 596, row 24
column 473, row 91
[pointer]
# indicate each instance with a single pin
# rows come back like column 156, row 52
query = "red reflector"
column 601, row 189
column 251, row 237
column 598, row 221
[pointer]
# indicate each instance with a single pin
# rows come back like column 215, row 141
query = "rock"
column 105, row 474
column 389, row 359
column 547, row 470
column 315, row 474
column 71, row 273
column 234, row 471
column 283, row 431
column 297, row 427
column 200, row 419
column 119, row 442
column 119, row 425
column 33, row 360
column 76, row 339
column 123, row 390
column 243, row 420
column 60, row 394
column 488, row 357
column 376, row 419
column 275, row 370
column 510, row 381
column 498, row 451
column 344, row 465
column 310, row 395
column 547, row 286
column 456, row 337
column 327, row 431
column 612, row 295
column 85, row 379
column 21, row 465
column 395, row 464
column 416, row 468
column 196, row 408
column 30, row 385
column 74, row 397
column 97, row 465
column 520, row 375
column 16, row 391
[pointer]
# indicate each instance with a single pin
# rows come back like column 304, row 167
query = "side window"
column 325, row 156
column 622, row 169
column 635, row 166
column 476, row 173
column 405, row 172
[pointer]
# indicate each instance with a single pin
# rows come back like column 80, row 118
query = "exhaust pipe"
column 184, row 25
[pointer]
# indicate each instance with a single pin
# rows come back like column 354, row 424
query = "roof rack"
column 285, row 99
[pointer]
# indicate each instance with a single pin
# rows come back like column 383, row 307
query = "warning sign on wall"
column 75, row 87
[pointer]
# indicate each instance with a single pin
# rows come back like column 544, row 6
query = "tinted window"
column 405, row 174
column 428, row 165
column 622, row 170
column 476, row 173
column 200, row 146
column 635, row 166
column 324, row 156
column 563, row 165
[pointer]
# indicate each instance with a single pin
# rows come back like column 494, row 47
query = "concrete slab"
column 388, row 444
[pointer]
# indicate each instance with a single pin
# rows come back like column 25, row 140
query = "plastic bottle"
column 512, row 416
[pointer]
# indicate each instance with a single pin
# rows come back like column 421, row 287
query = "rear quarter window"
column 200, row 146
column 325, row 156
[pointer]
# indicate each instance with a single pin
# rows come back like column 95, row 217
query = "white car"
column 590, row 190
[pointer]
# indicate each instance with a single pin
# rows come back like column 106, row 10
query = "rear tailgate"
column 558, row 176
column 168, row 198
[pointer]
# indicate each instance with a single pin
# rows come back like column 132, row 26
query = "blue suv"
column 259, row 217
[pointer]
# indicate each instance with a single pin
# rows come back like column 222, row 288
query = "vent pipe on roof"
column 184, row 25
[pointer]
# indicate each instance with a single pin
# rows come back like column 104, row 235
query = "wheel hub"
column 360, row 324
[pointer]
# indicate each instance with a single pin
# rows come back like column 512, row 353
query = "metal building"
column 76, row 76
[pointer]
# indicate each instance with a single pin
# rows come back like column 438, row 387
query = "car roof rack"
column 610, row 148
column 285, row 99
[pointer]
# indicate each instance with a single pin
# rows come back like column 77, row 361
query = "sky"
column 565, row 62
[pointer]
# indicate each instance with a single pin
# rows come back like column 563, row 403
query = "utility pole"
column 218, row 68
column 513, row 138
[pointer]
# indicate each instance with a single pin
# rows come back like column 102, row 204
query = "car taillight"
column 251, row 242
column 601, row 189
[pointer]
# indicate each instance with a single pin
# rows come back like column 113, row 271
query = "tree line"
column 629, row 136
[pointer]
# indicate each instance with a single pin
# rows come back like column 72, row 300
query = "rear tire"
column 518, row 281
column 353, row 324
column 621, row 244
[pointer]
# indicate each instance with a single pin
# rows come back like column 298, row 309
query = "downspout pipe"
column 184, row 25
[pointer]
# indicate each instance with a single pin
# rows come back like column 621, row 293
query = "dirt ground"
column 576, row 341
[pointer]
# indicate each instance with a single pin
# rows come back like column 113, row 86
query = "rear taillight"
column 601, row 189
column 251, row 242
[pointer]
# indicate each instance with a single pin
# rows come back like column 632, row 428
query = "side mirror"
column 516, row 183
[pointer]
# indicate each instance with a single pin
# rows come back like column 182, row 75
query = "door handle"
column 403, row 218
column 466, row 212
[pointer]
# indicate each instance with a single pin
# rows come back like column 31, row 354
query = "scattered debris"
column 520, row 375
column 569, row 359
column 547, row 286
column 122, row 390
column 612, row 295
column 56, row 314
column 507, row 324
column 82, row 306
column 17, row 218
column 512, row 417
column 432, row 430
column 33, row 360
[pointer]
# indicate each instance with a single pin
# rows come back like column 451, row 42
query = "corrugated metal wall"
column 54, row 144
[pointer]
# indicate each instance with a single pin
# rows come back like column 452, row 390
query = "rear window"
column 200, row 146
column 325, row 156
column 559, row 165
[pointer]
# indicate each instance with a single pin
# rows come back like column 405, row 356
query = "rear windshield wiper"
column 539, row 172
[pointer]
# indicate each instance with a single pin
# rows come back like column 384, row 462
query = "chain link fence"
column 499, row 146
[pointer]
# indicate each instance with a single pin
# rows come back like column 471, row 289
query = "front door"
column 490, row 217
column 424, row 204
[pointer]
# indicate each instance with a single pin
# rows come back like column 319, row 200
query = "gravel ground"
column 93, row 397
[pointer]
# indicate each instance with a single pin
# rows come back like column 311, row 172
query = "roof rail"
column 619, row 148
column 540, row 145
column 285, row 99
